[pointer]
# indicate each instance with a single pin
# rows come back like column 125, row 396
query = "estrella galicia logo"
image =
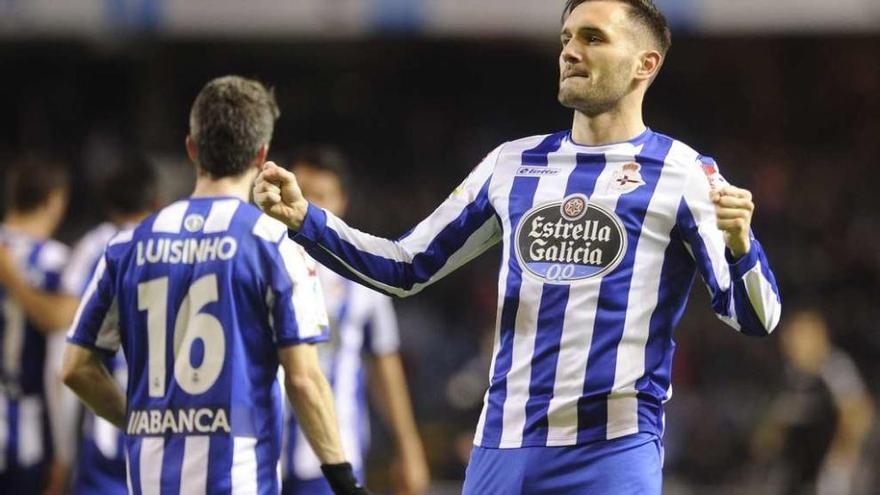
column 570, row 240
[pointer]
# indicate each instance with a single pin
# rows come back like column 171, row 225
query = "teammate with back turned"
column 604, row 228
column 206, row 298
column 36, row 201
column 129, row 193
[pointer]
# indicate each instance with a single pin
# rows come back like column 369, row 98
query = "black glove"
column 342, row 480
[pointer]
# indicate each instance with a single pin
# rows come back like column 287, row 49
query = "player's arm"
column 95, row 333
column 49, row 311
column 855, row 415
column 298, row 318
column 461, row 228
column 85, row 374
column 390, row 396
column 714, row 219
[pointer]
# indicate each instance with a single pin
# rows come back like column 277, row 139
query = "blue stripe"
column 614, row 295
column 676, row 279
column 551, row 318
column 522, row 195
column 689, row 230
column 133, row 446
column 220, row 452
column 398, row 273
column 172, row 462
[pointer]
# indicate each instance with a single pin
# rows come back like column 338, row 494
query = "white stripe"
column 109, row 337
column 170, row 218
column 152, row 452
column 307, row 299
column 499, row 191
column 4, row 430
column 345, row 385
column 762, row 297
column 642, row 301
column 269, row 229
column 550, row 188
column 244, row 466
column 220, row 216
column 122, row 237
column 13, row 337
column 89, row 293
column 194, row 471
column 128, row 472
column 577, row 334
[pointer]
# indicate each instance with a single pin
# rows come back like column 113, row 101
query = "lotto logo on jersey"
column 570, row 240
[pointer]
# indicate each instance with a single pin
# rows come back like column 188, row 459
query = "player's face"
column 805, row 342
column 322, row 188
column 599, row 57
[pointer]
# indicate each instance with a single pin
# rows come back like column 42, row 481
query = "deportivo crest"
column 194, row 222
column 710, row 168
column 570, row 240
column 628, row 178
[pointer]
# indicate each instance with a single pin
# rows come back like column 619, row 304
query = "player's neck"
column 207, row 187
column 615, row 126
column 37, row 224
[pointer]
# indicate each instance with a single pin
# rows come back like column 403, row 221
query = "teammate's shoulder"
column 97, row 238
column 53, row 255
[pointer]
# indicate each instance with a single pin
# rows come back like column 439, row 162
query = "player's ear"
column 649, row 65
column 262, row 153
column 191, row 150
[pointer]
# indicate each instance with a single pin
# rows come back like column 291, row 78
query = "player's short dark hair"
column 326, row 159
column 132, row 187
column 230, row 120
column 643, row 12
column 30, row 181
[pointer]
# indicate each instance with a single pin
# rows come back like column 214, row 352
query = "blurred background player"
column 819, row 423
column 130, row 193
column 604, row 227
column 36, row 193
column 206, row 298
column 363, row 324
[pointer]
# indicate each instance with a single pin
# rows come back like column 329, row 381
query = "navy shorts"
column 631, row 465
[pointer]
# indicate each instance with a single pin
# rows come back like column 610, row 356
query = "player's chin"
column 569, row 98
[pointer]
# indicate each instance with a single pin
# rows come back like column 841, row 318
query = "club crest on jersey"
column 710, row 168
column 193, row 222
column 628, row 178
column 570, row 240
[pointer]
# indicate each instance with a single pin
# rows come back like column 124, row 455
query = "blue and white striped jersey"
column 200, row 296
column 24, row 440
column 362, row 321
column 601, row 247
column 100, row 461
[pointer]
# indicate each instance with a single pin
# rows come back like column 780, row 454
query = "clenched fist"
column 277, row 193
column 733, row 210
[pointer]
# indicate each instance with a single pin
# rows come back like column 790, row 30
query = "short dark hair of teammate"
column 230, row 121
column 643, row 12
column 31, row 181
column 325, row 159
column 131, row 188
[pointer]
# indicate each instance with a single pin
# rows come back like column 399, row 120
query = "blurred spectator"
column 818, row 424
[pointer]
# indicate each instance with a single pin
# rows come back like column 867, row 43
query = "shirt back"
column 201, row 296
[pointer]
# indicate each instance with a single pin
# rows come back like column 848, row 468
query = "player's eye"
column 594, row 40
column 565, row 40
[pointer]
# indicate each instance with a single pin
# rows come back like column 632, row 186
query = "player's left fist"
column 733, row 211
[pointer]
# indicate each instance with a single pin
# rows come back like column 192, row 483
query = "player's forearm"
column 391, row 395
column 312, row 401
column 50, row 312
column 93, row 384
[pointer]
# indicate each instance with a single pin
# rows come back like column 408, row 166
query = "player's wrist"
column 341, row 479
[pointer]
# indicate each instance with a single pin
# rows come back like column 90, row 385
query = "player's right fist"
column 341, row 479
column 277, row 193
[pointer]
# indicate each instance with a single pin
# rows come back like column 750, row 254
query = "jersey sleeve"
column 297, row 313
column 461, row 228
column 381, row 336
column 96, row 325
column 744, row 292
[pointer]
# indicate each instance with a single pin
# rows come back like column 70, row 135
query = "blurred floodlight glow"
column 355, row 18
